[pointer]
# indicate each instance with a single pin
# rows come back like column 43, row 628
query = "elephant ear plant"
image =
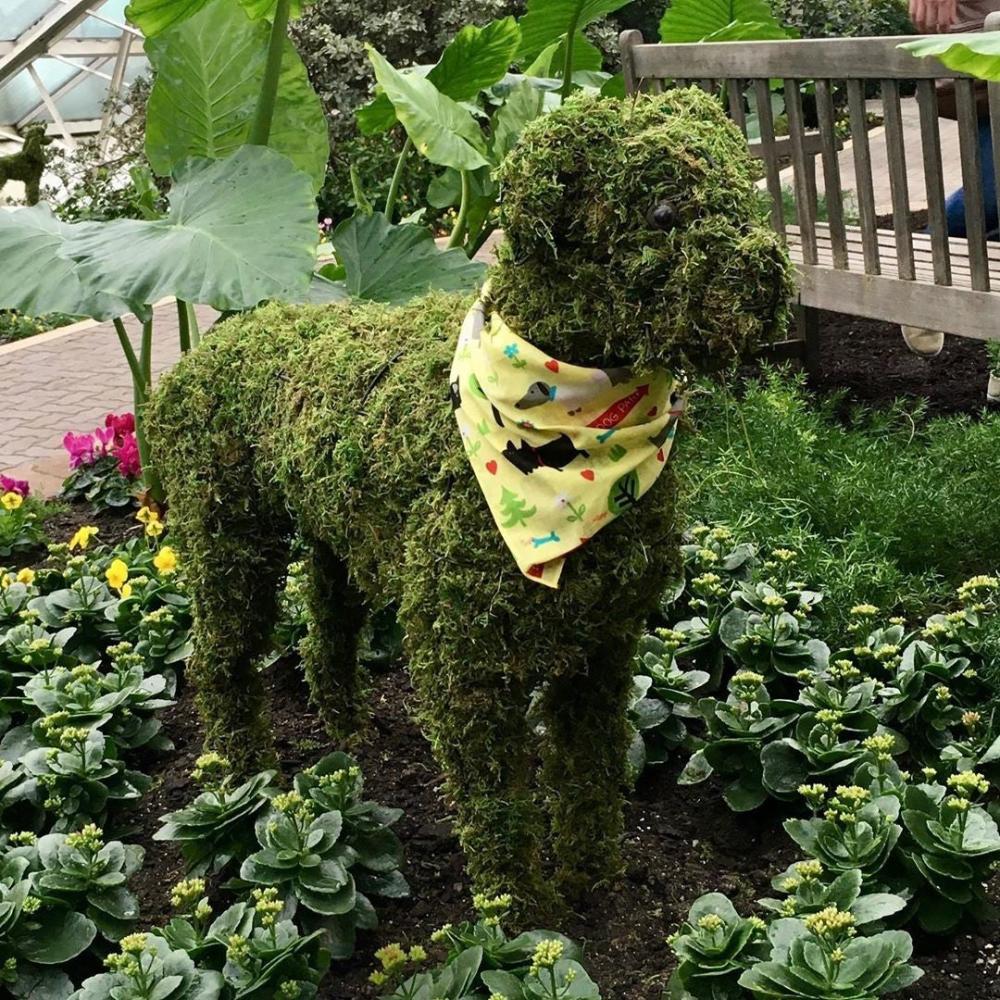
column 465, row 112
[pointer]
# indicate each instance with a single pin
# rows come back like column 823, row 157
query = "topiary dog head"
column 635, row 235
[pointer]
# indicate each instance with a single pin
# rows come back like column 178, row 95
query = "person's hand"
column 933, row 16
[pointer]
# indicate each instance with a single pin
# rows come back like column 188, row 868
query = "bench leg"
column 807, row 322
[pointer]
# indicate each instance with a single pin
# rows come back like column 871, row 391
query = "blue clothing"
column 955, row 205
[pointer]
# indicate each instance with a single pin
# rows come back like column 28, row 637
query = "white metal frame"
column 46, row 39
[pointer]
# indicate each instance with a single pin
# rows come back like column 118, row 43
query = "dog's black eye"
column 662, row 216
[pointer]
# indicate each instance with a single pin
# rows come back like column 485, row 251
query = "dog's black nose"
column 662, row 216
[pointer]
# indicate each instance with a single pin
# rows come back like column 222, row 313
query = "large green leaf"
column 443, row 131
column 238, row 231
column 977, row 54
column 586, row 57
column 720, row 20
column 546, row 21
column 209, row 71
column 394, row 264
column 38, row 276
column 524, row 103
column 153, row 16
column 476, row 58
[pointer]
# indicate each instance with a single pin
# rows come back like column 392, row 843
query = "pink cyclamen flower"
column 8, row 485
column 80, row 448
column 120, row 425
column 129, row 463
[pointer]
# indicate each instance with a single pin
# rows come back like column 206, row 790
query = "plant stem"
column 146, row 366
column 567, row 84
column 133, row 361
column 184, row 326
column 397, row 177
column 193, row 324
column 458, row 233
column 260, row 131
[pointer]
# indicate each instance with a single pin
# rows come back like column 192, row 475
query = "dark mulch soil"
column 680, row 843
column 868, row 360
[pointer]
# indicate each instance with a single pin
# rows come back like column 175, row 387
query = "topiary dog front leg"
column 337, row 615
column 586, row 748
column 475, row 718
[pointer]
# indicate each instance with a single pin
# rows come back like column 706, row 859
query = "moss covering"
column 337, row 420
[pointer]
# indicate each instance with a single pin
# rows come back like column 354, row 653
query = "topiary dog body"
column 633, row 240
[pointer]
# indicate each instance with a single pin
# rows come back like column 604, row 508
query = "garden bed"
column 680, row 842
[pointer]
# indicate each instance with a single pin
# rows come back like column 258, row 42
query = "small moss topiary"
column 634, row 237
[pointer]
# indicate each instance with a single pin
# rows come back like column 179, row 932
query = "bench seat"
column 956, row 308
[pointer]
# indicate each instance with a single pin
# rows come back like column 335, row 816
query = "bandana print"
column 559, row 451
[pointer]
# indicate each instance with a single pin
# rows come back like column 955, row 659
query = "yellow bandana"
column 559, row 450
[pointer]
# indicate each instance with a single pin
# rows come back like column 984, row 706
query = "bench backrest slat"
column 930, row 140
column 831, row 173
column 972, row 182
column 765, row 118
column 863, row 175
column 898, row 181
column 734, row 96
column 805, row 185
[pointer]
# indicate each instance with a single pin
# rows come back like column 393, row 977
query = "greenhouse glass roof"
column 59, row 61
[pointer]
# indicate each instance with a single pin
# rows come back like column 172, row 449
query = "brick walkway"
column 57, row 382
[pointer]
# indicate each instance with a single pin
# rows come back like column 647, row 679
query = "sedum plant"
column 665, row 698
column 79, row 871
column 146, row 968
column 715, row 945
column 820, row 957
column 76, row 779
column 336, row 783
column 218, row 826
column 953, row 843
column 483, row 962
column 855, row 830
column 807, row 888
column 737, row 729
column 258, row 950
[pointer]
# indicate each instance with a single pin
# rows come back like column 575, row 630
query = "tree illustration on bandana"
column 514, row 509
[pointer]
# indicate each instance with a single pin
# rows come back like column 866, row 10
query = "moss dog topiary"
column 634, row 238
column 28, row 163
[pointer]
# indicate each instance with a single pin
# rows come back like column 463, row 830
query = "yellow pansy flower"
column 125, row 590
column 146, row 515
column 165, row 560
column 11, row 501
column 117, row 574
column 154, row 529
column 26, row 576
column 82, row 537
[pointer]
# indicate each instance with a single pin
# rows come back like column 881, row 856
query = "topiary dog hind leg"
column 236, row 561
column 330, row 651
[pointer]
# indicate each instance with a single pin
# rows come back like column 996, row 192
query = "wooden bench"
column 919, row 279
